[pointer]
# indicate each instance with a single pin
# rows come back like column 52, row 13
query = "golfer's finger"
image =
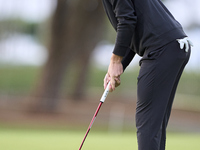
column 117, row 81
column 112, row 84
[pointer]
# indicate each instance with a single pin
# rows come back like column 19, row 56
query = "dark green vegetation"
column 22, row 79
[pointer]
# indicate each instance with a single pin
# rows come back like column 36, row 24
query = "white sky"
column 31, row 10
column 185, row 11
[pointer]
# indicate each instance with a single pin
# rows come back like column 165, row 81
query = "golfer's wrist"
column 116, row 58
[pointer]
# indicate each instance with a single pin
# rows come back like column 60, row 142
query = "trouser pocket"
column 151, row 54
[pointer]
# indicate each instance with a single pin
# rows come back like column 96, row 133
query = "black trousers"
column 160, row 71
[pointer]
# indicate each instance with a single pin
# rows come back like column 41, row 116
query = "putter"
column 102, row 100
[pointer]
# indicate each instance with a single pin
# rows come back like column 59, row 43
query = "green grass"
column 38, row 139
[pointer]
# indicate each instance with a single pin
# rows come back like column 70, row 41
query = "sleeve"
column 126, row 21
column 127, row 58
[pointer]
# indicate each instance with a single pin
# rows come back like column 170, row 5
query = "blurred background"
column 53, row 58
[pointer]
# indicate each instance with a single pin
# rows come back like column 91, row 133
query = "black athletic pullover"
column 141, row 24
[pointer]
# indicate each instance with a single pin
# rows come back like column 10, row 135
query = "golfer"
column 147, row 28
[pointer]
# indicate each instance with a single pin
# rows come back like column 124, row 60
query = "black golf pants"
column 160, row 71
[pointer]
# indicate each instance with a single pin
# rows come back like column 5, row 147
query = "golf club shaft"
column 95, row 115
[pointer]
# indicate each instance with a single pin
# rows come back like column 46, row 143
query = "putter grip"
column 105, row 93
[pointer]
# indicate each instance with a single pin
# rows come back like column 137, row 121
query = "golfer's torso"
column 155, row 25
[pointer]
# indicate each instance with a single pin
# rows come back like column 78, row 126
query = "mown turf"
column 27, row 139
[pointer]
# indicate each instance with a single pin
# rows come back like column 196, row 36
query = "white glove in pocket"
column 185, row 42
